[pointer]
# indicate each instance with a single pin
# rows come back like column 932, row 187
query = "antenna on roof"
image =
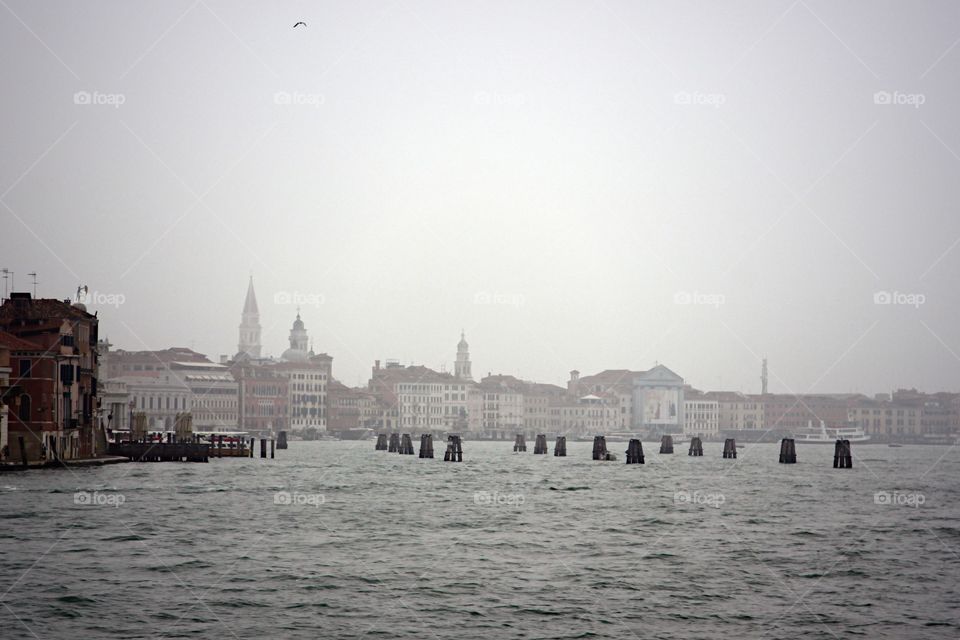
column 34, row 274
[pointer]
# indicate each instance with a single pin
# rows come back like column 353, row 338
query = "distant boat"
column 895, row 445
column 357, row 433
column 829, row 435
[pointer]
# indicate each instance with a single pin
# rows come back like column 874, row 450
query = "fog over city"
column 576, row 185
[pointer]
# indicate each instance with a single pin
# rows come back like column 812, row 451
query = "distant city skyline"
column 578, row 186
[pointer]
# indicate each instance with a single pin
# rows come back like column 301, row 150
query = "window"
column 24, row 412
column 25, row 368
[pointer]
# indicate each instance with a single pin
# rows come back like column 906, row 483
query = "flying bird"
column 299, row 23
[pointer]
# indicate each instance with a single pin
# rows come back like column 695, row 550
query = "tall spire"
column 250, row 304
column 249, row 344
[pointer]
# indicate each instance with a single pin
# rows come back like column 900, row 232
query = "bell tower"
column 249, row 343
column 461, row 367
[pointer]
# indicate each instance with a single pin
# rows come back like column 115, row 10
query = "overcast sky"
column 579, row 185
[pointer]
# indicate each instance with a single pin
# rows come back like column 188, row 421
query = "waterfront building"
column 883, row 419
column 214, row 394
column 737, row 411
column 308, row 375
column 55, row 371
column 616, row 383
column 701, row 414
column 658, row 401
column 503, row 405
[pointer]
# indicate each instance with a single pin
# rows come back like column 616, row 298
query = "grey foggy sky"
column 537, row 152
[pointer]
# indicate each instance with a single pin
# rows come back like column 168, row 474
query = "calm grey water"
column 386, row 546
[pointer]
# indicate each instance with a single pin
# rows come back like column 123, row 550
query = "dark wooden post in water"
column 666, row 444
column 252, row 441
column 23, row 451
column 635, row 452
column 394, row 446
column 454, row 451
column 520, row 444
column 599, row 448
column 560, row 448
column 696, row 447
column 219, row 446
column 426, row 445
column 406, row 445
column 263, row 447
column 381, row 442
column 282, row 440
column 730, row 448
column 540, row 447
column 271, row 448
column 788, row 451
column 842, row 456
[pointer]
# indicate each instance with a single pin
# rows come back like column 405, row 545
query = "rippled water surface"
column 502, row 545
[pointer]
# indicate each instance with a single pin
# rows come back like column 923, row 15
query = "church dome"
column 295, row 355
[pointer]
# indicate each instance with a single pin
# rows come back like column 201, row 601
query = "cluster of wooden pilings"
column 189, row 451
column 394, row 446
column 406, row 445
column 426, row 445
column 730, row 448
column 635, row 452
column 788, row 451
column 666, row 444
column 560, row 447
column 454, row 452
column 381, row 442
column 282, row 440
column 842, row 457
column 600, row 449
column 540, row 446
column 520, row 444
column 696, row 447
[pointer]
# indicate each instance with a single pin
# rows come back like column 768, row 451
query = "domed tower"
column 249, row 343
column 461, row 367
column 299, row 342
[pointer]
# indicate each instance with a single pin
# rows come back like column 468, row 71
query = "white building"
column 701, row 415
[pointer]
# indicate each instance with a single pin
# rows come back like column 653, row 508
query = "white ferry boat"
column 829, row 435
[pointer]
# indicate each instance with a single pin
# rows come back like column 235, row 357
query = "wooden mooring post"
column 560, row 448
column 282, row 440
column 394, row 445
column 426, row 445
column 788, row 451
column 272, row 454
column 219, row 446
column 252, row 442
column 520, row 444
column 23, row 452
column 635, row 452
column 842, row 456
column 381, row 442
column 406, row 445
column 696, row 447
column 454, row 451
column 666, row 444
column 263, row 447
column 730, row 448
column 540, row 446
